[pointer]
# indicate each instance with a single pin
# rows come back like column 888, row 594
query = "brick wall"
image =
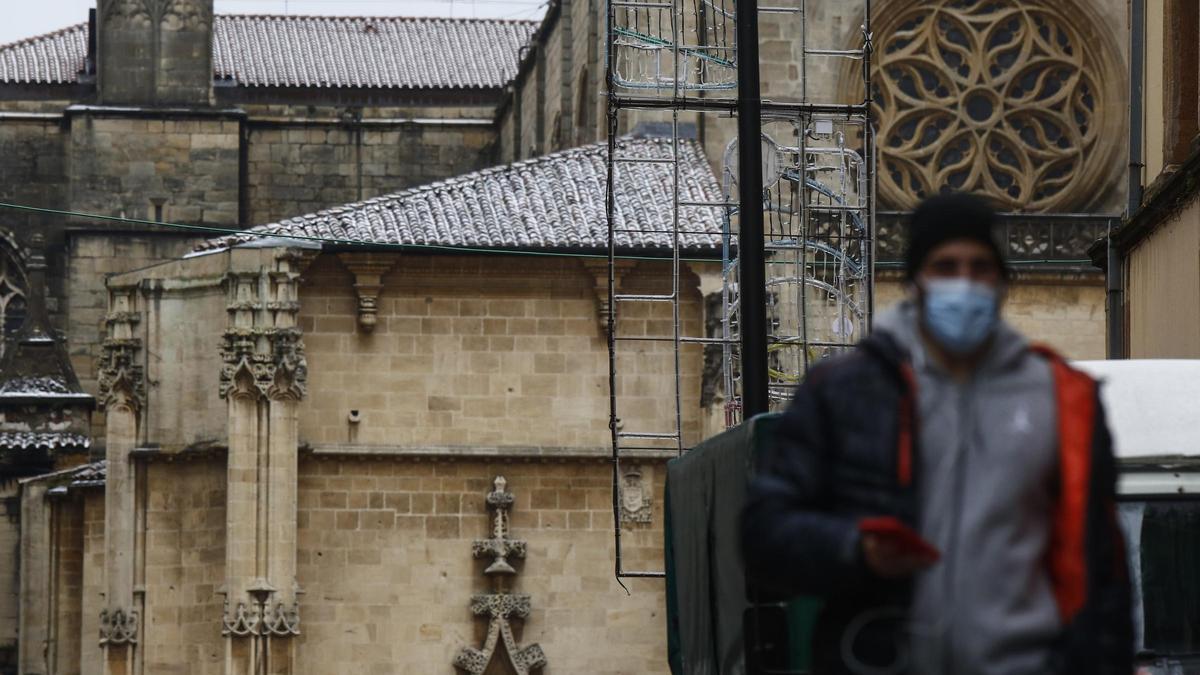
column 385, row 562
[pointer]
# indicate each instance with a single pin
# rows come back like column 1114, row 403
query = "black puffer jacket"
column 846, row 451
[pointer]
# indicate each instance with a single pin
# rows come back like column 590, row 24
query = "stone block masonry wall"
column 32, row 172
column 385, row 562
column 90, row 257
column 296, row 168
column 555, row 72
column 60, row 613
column 585, row 81
column 184, row 566
column 91, row 659
column 488, row 352
column 32, row 167
column 530, row 140
column 10, row 547
column 68, row 564
column 118, row 165
column 1067, row 314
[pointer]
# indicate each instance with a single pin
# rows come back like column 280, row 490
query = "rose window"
column 997, row 97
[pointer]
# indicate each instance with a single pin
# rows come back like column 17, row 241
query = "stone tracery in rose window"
column 993, row 96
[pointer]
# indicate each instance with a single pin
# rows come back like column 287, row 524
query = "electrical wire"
column 340, row 241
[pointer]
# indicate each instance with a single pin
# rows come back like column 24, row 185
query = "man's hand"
column 887, row 560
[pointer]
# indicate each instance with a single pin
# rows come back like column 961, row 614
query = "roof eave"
column 47, row 91
column 1167, row 197
column 374, row 96
column 650, row 252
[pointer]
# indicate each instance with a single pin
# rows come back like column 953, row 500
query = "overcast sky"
column 22, row 19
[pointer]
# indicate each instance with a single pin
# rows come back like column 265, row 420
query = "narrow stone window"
column 13, row 291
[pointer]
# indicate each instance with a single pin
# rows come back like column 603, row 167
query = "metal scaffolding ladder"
column 671, row 62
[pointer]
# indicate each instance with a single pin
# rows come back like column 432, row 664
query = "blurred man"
column 994, row 452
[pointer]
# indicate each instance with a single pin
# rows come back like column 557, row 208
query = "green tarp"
column 706, row 582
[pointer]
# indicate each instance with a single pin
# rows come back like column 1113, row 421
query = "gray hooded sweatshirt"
column 987, row 457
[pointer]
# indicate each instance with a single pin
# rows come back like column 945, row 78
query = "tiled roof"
column 90, row 474
column 28, row 440
column 84, row 475
column 54, row 58
column 555, row 201
column 315, row 51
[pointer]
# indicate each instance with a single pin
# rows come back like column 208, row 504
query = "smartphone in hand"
column 900, row 536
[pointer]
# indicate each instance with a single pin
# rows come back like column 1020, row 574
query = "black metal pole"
column 752, row 275
column 761, row 626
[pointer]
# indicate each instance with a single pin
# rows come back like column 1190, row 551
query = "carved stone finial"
column 499, row 546
column 121, row 377
column 500, row 607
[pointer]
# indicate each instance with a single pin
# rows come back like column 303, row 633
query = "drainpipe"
column 1115, row 277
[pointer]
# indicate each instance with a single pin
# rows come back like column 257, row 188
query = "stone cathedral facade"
column 370, row 432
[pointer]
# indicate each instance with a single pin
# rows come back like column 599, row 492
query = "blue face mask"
column 960, row 314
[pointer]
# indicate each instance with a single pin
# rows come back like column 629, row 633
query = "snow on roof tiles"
column 315, row 51
column 556, row 201
column 28, row 440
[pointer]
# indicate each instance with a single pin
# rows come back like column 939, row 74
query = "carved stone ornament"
column 121, row 378
column 1011, row 99
column 120, row 374
column 241, row 620
column 260, row 614
column 280, row 371
column 177, row 14
column 368, row 270
column 260, row 618
column 500, row 607
column 281, row 621
column 262, row 351
column 129, row 12
column 186, row 15
column 118, row 627
column 635, row 498
column 598, row 270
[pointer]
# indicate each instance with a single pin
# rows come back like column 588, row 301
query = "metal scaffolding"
column 797, row 292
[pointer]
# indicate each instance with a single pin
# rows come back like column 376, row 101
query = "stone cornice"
column 471, row 453
column 1169, row 195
